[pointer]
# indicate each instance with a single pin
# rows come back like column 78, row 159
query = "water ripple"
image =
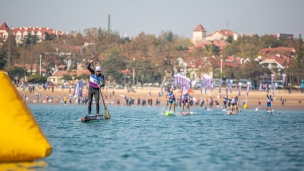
column 139, row 138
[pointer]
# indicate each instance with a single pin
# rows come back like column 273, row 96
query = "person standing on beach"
column 96, row 82
column 259, row 103
column 64, row 99
column 217, row 104
column 202, row 102
column 170, row 98
column 268, row 103
column 225, row 100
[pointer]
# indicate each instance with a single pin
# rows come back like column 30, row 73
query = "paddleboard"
column 169, row 113
column 91, row 118
column 186, row 113
column 229, row 113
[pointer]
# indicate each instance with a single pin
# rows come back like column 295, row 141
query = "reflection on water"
column 24, row 166
column 143, row 138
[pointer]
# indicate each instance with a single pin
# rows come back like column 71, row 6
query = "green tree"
column 11, row 49
column 2, row 58
column 253, row 70
column 16, row 73
column 267, row 41
column 299, row 51
column 48, row 37
column 166, row 36
column 229, row 39
column 84, row 76
column 211, row 50
column 113, row 66
column 36, row 78
column 66, row 77
column 30, row 40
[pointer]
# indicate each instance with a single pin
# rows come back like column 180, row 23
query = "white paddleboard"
column 185, row 113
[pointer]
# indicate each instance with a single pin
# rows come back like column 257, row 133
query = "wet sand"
column 292, row 100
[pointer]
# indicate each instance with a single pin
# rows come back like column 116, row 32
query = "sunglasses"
column 97, row 71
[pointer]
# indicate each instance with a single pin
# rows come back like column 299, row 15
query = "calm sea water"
column 142, row 138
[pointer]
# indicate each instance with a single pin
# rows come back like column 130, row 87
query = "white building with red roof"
column 276, row 59
column 221, row 35
column 57, row 76
column 199, row 34
column 21, row 32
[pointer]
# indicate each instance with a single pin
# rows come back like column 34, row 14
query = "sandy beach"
column 292, row 99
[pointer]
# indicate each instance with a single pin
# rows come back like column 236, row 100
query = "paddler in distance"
column 185, row 101
column 268, row 103
column 95, row 83
column 170, row 98
column 234, row 105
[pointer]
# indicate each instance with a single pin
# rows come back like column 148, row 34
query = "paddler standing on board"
column 234, row 105
column 185, row 101
column 170, row 98
column 95, row 83
column 268, row 103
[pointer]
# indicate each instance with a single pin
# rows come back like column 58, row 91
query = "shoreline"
column 292, row 100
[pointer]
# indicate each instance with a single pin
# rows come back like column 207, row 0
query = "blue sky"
column 153, row 16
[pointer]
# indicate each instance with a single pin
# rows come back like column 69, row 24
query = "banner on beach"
column 211, row 83
column 230, row 85
column 247, row 88
column 227, row 87
column 240, row 88
column 272, row 77
column 283, row 78
column 220, row 86
column 207, row 83
column 78, row 89
column 182, row 81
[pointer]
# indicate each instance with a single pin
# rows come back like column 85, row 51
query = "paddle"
column 106, row 114
column 166, row 107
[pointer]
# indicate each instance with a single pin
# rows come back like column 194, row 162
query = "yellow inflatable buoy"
column 21, row 138
column 246, row 106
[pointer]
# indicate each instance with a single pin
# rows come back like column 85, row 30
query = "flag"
column 240, row 88
column 227, row 87
column 283, row 78
column 230, row 86
column 78, row 89
column 272, row 77
column 248, row 86
column 211, row 84
column 220, row 86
